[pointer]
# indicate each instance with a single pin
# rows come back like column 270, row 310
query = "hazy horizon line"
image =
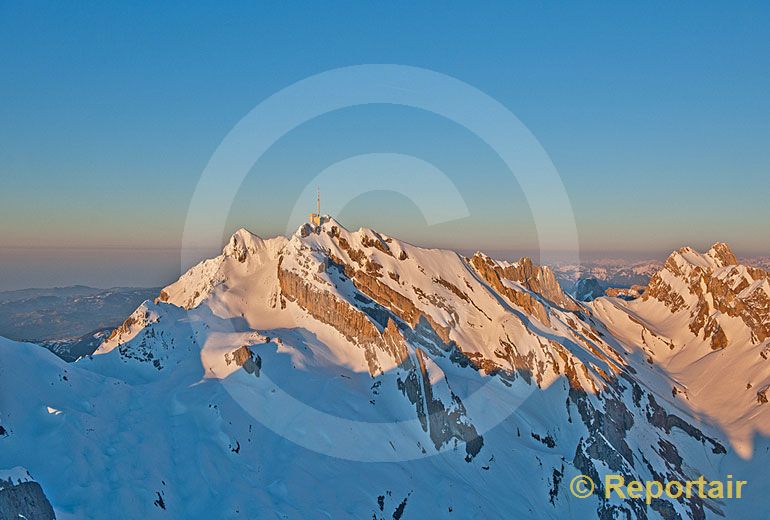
column 591, row 255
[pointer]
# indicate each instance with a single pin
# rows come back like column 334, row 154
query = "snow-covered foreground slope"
column 339, row 374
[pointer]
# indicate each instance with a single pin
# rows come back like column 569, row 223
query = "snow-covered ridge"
column 396, row 342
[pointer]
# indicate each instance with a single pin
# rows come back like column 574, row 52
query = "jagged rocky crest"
column 714, row 285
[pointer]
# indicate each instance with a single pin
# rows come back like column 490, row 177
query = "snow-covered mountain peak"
column 722, row 254
column 378, row 293
column 704, row 320
column 393, row 352
column 724, row 299
column 245, row 256
column 325, row 222
column 686, row 258
column 241, row 244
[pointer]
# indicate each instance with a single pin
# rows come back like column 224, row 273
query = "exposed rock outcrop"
column 626, row 293
column 495, row 275
column 244, row 357
column 588, row 289
column 24, row 498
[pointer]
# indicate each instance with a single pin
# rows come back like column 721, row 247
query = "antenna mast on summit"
column 315, row 218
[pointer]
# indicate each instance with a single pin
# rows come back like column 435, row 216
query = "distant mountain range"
column 763, row 262
column 339, row 374
column 611, row 272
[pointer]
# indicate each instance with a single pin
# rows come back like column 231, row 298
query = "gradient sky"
column 657, row 118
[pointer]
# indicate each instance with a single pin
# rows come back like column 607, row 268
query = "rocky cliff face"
column 533, row 279
column 353, row 323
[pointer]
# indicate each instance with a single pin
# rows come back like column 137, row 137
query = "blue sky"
column 657, row 118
